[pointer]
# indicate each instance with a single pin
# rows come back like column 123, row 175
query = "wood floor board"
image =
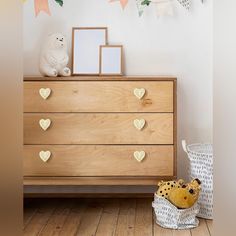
column 28, row 215
column 99, row 217
column 210, row 226
column 201, row 230
column 159, row 231
column 126, row 218
column 143, row 219
column 57, row 219
column 181, row 233
column 90, row 219
column 39, row 220
column 109, row 218
column 30, row 208
column 74, row 218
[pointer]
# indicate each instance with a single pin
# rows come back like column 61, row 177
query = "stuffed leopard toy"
column 164, row 187
column 187, row 195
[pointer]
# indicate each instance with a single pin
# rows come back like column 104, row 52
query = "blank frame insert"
column 86, row 44
column 111, row 60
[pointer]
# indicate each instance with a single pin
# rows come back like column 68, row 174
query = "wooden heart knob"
column 45, row 92
column 45, row 124
column 139, row 124
column 45, row 155
column 139, row 92
column 139, row 155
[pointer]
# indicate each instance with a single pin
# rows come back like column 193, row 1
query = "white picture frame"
column 86, row 43
column 111, row 60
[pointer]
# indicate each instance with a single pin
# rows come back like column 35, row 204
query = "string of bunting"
column 163, row 7
column 42, row 5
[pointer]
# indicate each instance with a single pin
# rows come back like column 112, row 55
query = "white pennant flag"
column 141, row 7
column 185, row 3
column 164, row 7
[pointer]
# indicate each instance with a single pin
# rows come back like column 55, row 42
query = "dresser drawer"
column 101, row 160
column 98, row 128
column 99, row 96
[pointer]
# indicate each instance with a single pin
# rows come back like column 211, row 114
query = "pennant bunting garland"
column 60, row 2
column 42, row 5
column 141, row 7
column 123, row 3
column 163, row 7
column 185, row 3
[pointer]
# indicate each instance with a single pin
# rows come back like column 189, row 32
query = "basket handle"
column 184, row 146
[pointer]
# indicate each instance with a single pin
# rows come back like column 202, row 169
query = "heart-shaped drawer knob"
column 139, row 92
column 45, row 92
column 45, row 124
column 44, row 155
column 139, row 155
column 139, row 123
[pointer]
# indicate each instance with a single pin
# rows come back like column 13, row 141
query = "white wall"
column 179, row 46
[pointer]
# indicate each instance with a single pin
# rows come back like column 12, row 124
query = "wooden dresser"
column 99, row 130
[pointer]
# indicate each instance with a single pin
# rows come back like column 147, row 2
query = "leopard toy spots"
column 164, row 187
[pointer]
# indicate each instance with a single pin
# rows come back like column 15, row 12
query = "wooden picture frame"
column 111, row 60
column 86, row 43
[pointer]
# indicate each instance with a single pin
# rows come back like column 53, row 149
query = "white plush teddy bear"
column 54, row 57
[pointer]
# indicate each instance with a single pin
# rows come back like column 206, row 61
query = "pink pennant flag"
column 41, row 5
column 123, row 3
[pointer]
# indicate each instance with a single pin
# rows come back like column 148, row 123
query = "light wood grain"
column 40, row 218
column 143, row 220
column 57, row 219
column 90, row 220
column 210, row 226
column 100, row 110
column 159, row 231
column 99, row 129
column 181, row 233
column 109, row 218
column 28, row 215
column 98, row 97
column 126, row 220
column 74, row 218
column 100, row 217
column 95, row 180
column 101, row 78
column 102, row 160
column 201, row 229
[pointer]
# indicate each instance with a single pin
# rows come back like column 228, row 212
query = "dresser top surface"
column 101, row 78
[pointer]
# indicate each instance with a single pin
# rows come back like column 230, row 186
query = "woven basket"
column 201, row 167
column 169, row 216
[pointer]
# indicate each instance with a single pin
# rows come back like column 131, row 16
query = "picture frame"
column 86, row 43
column 111, row 60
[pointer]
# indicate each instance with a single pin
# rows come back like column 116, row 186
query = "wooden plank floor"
column 98, row 217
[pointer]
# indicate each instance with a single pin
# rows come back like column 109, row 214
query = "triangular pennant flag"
column 41, row 5
column 123, row 3
column 60, row 2
column 141, row 7
column 185, row 3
